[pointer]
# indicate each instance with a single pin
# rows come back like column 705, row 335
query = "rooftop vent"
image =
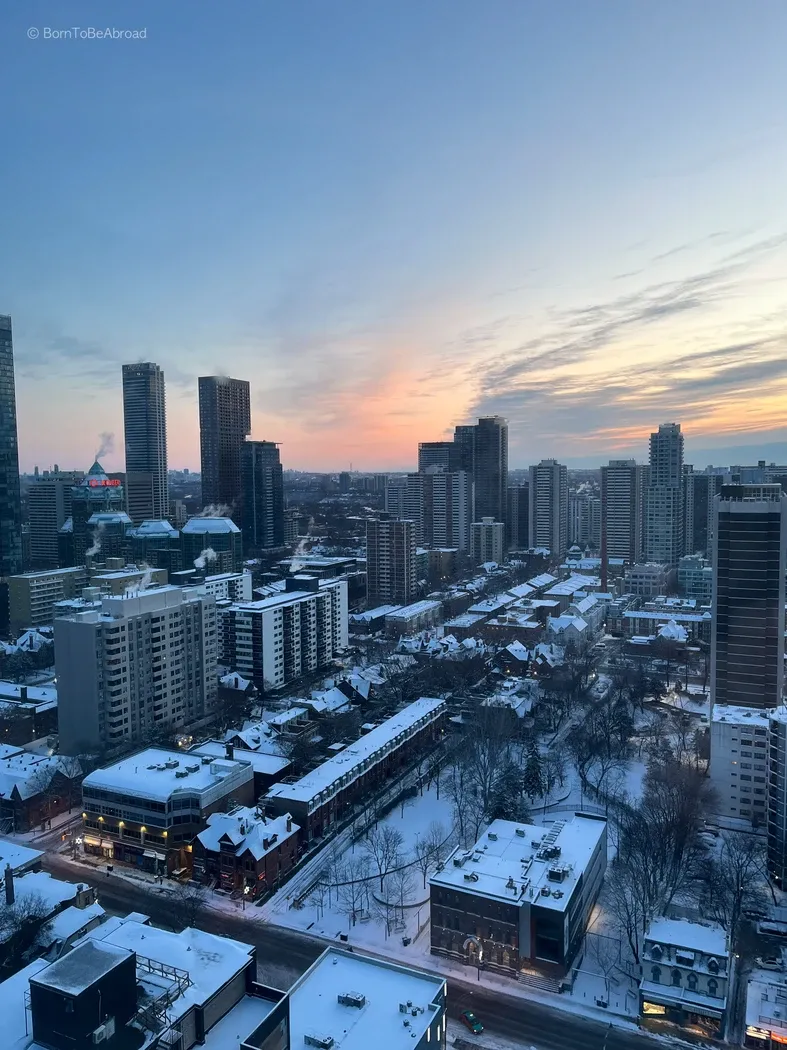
column 171, row 763
column 471, row 876
column 352, row 999
column 180, row 773
column 206, row 760
column 520, row 832
column 556, row 874
column 492, row 836
column 194, row 768
column 536, row 843
column 324, row 1042
column 557, row 893
column 546, row 891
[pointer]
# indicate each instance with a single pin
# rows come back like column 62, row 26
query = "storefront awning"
column 92, row 840
column 153, row 855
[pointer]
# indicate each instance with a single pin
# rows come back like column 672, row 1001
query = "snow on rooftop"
column 13, row 1007
column 239, row 1024
column 235, row 681
column 466, row 619
column 350, row 762
column 375, row 614
column 197, row 526
column 766, row 1002
column 17, row 856
column 378, row 1021
column 158, row 774
column 575, row 582
column 329, row 700
column 508, row 863
column 260, row 761
column 680, row 617
column 415, row 609
column 34, row 694
column 70, row 922
column 543, row 580
column 708, row 938
column 247, row 830
column 153, row 528
column 81, row 967
column 25, row 774
column 53, row 893
column 211, row 960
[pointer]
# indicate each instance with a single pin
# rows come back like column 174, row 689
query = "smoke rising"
column 96, row 548
column 215, row 510
column 106, row 444
column 205, row 557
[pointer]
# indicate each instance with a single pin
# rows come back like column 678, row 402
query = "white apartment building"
column 739, row 763
column 549, row 506
column 622, row 509
column 128, row 666
column 664, row 496
column 695, row 578
column 32, row 595
column 229, row 586
column 487, row 541
column 277, row 639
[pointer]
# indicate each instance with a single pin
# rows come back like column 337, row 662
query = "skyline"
column 568, row 217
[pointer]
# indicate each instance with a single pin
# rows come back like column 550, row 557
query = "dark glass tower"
column 262, row 515
column 10, row 500
column 224, row 425
column 145, row 425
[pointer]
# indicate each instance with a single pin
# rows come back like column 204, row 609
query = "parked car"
column 470, row 1021
column 770, row 962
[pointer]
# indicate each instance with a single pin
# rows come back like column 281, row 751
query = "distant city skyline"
column 401, row 218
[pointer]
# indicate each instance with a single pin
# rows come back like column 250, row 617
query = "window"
column 691, row 981
column 676, row 978
column 713, row 987
column 655, row 975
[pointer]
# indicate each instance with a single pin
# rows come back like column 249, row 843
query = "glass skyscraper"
column 10, row 500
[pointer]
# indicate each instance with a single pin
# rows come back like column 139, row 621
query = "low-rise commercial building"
column 685, row 974
column 695, row 578
column 646, row 579
column 766, row 1011
column 147, row 809
column 521, row 898
column 319, row 799
column 416, row 617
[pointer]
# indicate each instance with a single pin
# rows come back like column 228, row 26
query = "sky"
column 395, row 216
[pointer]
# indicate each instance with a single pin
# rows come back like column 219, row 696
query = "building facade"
column 145, row 430
column 749, row 564
column 488, row 541
column 98, row 521
column 664, row 521
column 491, row 468
column 224, row 425
column 48, row 509
column 549, row 506
column 276, row 640
column 622, row 510
column 32, row 596
column 10, row 498
column 262, row 507
column 518, row 516
column 212, row 544
column 244, row 852
column 134, row 665
column 739, row 764
column 390, row 561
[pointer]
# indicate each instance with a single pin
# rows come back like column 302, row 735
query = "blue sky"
column 390, row 216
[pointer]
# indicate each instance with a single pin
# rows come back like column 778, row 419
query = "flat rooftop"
column 260, row 761
column 377, row 1021
column 17, row 856
column 707, row 938
column 509, row 862
column 415, row 609
column 81, row 967
column 153, row 774
column 742, row 716
column 354, row 757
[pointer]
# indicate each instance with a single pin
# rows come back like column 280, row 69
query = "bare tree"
column 189, row 902
column 402, row 886
column 353, row 887
column 428, row 848
column 383, row 844
column 21, row 924
column 732, row 879
column 606, row 951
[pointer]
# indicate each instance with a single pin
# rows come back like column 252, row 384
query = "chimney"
column 229, row 751
column 23, row 693
column 9, row 885
column 289, row 823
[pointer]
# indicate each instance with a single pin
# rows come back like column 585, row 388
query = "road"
column 283, row 955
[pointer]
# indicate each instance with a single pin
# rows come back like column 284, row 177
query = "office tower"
column 390, row 561
column 212, row 545
column 145, row 429
column 10, row 499
column 549, row 506
column 155, row 543
column 491, row 468
column 749, row 563
column 262, row 516
column 133, row 666
column 404, row 498
column 344, row 482
column 518, row 516
column 622, row 510
column 224, row 425
column 698, row 492
column 664, row 496
column 275, row 640
column 48, row 509
column 487, row 541
column 98, row 523
column 464, row 440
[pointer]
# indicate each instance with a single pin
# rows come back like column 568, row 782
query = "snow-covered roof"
column 215, row 526
column 584, row 605
column 353, row 760
column 673, row 632
column 466, row 619
column 575, row 582
column 69, row 923
column 13, row 1006
column 706, row 937
column 508, row 862
column 34, row 694
column 493, row 604
column 260, row 761
column 113, row 517
column 150, row 529
column 315, row 1006
column 646, row 614
column 327, row 701
column 742, row 716
column 542, row 580
column 248, row 831
column 518, row 651
column 559, row 624
column 406, row 612
column 211, row 960
column 53, row 893
column 235, row 681
column 31, row 640
column 18, row 856
column 158, row 774
column 81, row 967
column 377, row 613
column 30, row 774
column 766, row 996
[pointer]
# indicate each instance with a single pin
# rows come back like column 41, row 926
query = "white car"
column 770, row 962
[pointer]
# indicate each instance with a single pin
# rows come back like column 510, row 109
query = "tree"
column 428, row 848
column 17, row 666
column 189, row 902
column 383, row 844
column 353, row 886
column 21, row 924
column 606, row 951
column 71, row 769
column 402, row 886
column 533, row 780
column 508, row 801
column 731, row 880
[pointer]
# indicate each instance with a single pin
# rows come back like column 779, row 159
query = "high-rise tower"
column 262, row 512
column 145, row 426
column 664, row 496
column 10, row 500
column 224, row 424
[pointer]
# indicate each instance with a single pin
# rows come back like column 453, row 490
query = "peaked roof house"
column 245, row 853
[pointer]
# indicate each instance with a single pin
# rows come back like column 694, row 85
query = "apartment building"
column 131, row 665
column 390, row 561
column 245, row 852
column 622, row 509
column 488, row 541
column 664, row 521
column 548, row 516
column 739, row 764
column 32, row 596
column 275, row 640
